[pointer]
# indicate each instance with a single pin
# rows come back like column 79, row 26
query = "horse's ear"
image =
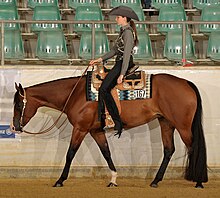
column 21, row 90
column 16, row 86
column 20, row 86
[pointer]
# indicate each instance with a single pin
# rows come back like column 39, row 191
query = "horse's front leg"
column 101, row 140
column 76, row 140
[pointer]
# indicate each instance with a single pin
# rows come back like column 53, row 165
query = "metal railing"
column 68, row 22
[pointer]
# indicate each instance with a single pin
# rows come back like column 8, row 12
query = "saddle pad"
column 92, row 93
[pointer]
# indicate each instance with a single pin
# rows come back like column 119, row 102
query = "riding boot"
column 113, row 110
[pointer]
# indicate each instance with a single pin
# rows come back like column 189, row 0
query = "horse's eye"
column 19, row 105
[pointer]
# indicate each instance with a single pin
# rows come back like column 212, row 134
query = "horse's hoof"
column 199, row 185
column 112, row 185
column 58, row 184
column 153, row 185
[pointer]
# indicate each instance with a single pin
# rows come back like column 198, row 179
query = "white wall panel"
column 139, row 146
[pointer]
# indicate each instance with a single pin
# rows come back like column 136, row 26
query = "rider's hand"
column 120, row 79
column 92, row 62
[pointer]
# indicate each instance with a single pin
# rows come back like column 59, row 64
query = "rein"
column 56, row 121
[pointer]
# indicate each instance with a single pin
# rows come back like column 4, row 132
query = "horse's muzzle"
column 15, row 129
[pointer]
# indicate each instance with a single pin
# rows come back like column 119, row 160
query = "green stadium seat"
column 161, row 3
column 88, row 13
column 8, row 2
column 140, row 13
column 75, row 3
column 130, row 3
column 144, row 49
column 33, row 3
column 9, row 12
column 210, row 13
column 213, row 50
column 51, row 45
column 171, row 13
column 13, row 45
column 46, row 13
column 101, row 45
column 173, row 46
column 200, row 4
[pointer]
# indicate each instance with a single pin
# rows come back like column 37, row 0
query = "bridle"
column 23, row 108
column 56, row 121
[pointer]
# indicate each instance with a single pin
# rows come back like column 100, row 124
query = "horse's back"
column 171, row 85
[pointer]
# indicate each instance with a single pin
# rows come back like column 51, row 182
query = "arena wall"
column 137, row 153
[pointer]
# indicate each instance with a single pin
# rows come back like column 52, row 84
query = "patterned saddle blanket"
column 134, row 86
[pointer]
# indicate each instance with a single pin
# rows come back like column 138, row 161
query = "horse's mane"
column 16, row 96
column 56, row 80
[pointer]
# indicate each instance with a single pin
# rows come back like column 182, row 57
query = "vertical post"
column 93, row 40
column 25, row 3
column 2, row 44
column 184, row 44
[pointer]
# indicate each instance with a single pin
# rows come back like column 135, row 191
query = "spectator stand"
column 72, row 37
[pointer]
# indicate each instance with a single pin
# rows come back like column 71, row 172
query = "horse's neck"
column 52, row 94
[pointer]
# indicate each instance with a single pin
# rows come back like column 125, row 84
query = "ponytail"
column 132, row 24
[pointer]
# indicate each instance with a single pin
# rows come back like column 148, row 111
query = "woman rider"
column 122, row 48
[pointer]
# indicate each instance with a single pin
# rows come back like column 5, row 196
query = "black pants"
column 105, row 97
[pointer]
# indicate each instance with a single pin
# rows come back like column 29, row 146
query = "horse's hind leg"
column 168, row 143
column 100, row 139
column 76, row 140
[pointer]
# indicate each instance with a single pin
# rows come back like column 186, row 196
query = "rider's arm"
column 106, row 56
column 128, row 47
column 109, row 54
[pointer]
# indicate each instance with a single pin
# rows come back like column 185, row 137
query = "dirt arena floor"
column 96, row 188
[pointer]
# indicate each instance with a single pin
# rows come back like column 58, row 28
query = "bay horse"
column 175, row 102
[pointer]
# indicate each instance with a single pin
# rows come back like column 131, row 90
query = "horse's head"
column 19, row 107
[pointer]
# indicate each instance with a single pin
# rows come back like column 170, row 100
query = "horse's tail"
column 196, row 169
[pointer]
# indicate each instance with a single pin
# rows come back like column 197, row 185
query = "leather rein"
column 57, row 120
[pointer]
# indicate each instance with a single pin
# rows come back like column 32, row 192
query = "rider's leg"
column 105, row 94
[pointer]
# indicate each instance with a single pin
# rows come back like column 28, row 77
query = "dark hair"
column 132, row 24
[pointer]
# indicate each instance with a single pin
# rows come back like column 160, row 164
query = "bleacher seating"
column 13, row 45
column 88, row 13
column 8, row 2
column 101, row 45
column 210, row 13
column 213, row 50
column 51, row 45
column 75, row 3
column 173, row 46
column 130, row 3
column 161, row 3
column 200, row 4
column 171, row 13
column 9, row 12
column 33, row 3
column 35, row 45
column 46, row 13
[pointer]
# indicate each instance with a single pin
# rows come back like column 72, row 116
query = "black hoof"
column 112, row 185
column 153, row 185
column 58, row 184
column 199, row 185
